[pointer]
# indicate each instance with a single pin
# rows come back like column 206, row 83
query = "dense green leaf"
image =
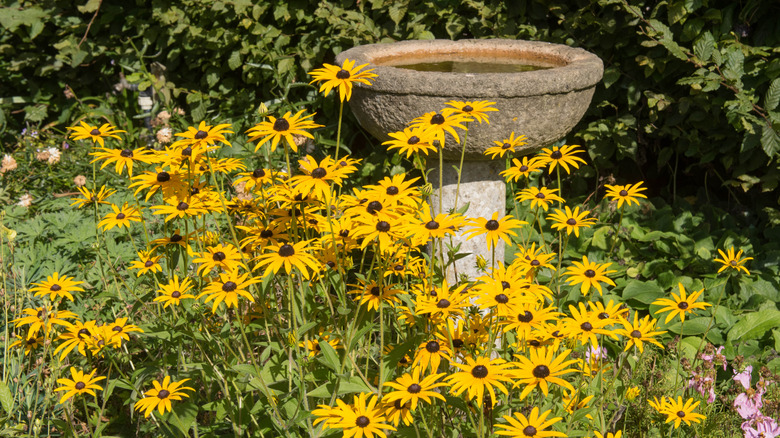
column 6, row 399
column 754, row 325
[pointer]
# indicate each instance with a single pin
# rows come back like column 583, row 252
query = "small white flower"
column 25, row 201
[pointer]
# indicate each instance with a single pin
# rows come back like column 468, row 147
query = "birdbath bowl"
column 540, row 89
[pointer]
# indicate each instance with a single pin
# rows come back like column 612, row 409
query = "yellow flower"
column 411, row 387
column 572, row 221
column 680, row 304
column 632, row 393
column 174, row 292
column 228, row 288
column 363, row 419
column 589, row 274
column 480, row 373
column 411, row 141
column 562, row 156
column 342, row 78
column 541, row 368
column 121, row 217
column 81, row 383
column 678, row 412
column 56, row 286
column 203, row 134
column 282, row 128
column 539, row 197
column 639, row 332
column 439, row 124
column 94, row 133
column 628, row 193
column 161, row 395
column 89, row 198
column 532, row 426
column 522, row 168
column 495, row 228
column 474, row 109
column 505, row 146
column 732, row 261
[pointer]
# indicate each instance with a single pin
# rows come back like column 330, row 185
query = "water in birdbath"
column 472, row 67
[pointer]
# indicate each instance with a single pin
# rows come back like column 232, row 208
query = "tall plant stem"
column 460, row 166
column 338, row 132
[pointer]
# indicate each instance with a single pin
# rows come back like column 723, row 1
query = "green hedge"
column 690, row 92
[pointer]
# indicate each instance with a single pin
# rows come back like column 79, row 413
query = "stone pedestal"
column 484, row 190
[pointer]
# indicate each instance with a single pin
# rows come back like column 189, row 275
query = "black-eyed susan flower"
column 427, row 227
column 588, row 274
column 372, row 295
column 174, row 291
column 442, row 302
column 29, row 344
column 475, row 109
column 120, row 330
column 534, row 259
column 542, row 368
column 492, row 296
column 439, row 124
column 121, row 217
column 628, row 193
column 97, row 135
column 364, row 418
column 395, row 412
column 380, row 231
column 203, row 134
column 80, row 334
column 226, row 257
column 289, row 256
column 169, row 182
column 89, row 198
column 44, row 317
column 284, row 127
column 329, row 416
column 478, row 374
column 411, row 141
column 228, row 288
column 680, row 304
column 343, row 78
column 430, row 354
column 256, row 178
column 319, row 176
column 175, row 239
column 124, row 158
column 563, row 156
column 617, row 434
column 81, row 383
column 412, row 387
column 505, row 146
column 570, row 220
column 730, row 260
column 585, row 325
column 398, row 190
column 532, row 426
column 677, row 412
column 314, row 346
column 639, row 332
column 161, row 395
column 146, row 263
column 614, row 313
column 176, row 208
column 494, row 228
column 573, row 401
column 522, row 168
column 528, row 316
column 57, row 286
column 539, row 197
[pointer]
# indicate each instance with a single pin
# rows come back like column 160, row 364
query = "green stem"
column 338, row 132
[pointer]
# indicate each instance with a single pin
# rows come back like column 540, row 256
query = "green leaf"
column 11, row 18
column 770, row 142
column 182, row 416
column 694, row 326
column 89, row 7
column 234, row 61
column 346, row 386
column 397, row 12
column 772, row 96
column 704, row 46
column 754, row 325
column 6, row 399
column 643, row 291
column 328, row 356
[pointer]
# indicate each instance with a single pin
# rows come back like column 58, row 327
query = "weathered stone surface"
column 543, row 105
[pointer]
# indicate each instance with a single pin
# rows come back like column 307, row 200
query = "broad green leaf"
column 754, row 325
column 643, row 291
column 6, row 399
column 691, row 326
column 11, row 18
column 772, row 96
column 183, row 415
column 328, row 356
column 770, row 142
column 234, row 61
column 704, row 46
column 346, row 386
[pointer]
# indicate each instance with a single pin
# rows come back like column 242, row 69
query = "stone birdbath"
column 540, row 89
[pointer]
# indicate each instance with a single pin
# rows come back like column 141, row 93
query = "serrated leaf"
column 772, row 96
column 754, row 325
column 234, row 61
column 396, row 13
column 704, row 46
column 770, row 142
column 6, row 399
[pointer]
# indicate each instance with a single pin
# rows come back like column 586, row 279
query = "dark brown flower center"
column 432, row 225
column 200, row 135
column 83, row 332
column 506, row 146
column 229, row 286
column 164, row 393
column 383, row 226
column 534, row 343
column 443, row 303
column 318, row 173
column 590, row 273
column 281, row 125
column 603, row 315
column 505, row 285
column 525, row 316
column 163, row 177
column 586, row 326
column 80, row 385
column 218, row 256
column 571, row 221
column 373, row 207
column 502, row 298
column 535, row 262
column 120, row 216
column 186, row 152
column 375, row 291
column 266, row 234
column 94, row 132
column 541, row 371
column 182, row 206
column 55, row 288
column 362, row 421
column 523, row 168
column 682, row 305
column 342, row 74
column 175, row 294
column 479, row 371
column 437, row 119
column 176, row 238
column 258, row 173
column 413, row 140
column 681, row 414
column 733, row 263
column 540, row 195
column 457, row 343
column 556, row 155
column 414, row 388
column 529, row 431
column 636, row 334
column 623, row 193
column 148, row 264
column 432, row 347
column 392, row 190
column 468, row 109
column 286, row 250
column 491, row 225
column 126, row 153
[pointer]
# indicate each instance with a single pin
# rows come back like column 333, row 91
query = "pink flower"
column 717, row 356
column 748, row 406
column 703, row 384
column 744, row 376
column 764, row 427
